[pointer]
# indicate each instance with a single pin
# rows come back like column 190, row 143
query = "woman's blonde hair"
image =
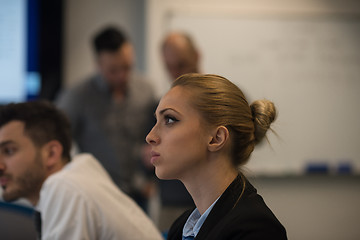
column 222, row 103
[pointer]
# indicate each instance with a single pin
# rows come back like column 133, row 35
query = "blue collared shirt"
column 194, row 222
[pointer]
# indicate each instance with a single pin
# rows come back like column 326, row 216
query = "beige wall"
column 314, row 207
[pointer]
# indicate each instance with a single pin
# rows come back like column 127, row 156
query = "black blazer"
column 248, row 219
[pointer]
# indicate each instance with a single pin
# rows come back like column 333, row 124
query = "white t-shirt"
column 82, row 202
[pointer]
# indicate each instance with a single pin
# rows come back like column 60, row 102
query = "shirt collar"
column 195, row 221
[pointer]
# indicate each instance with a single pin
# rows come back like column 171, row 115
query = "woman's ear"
column 219, row 137
column 52, row 154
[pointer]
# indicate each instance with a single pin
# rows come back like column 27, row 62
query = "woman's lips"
column 154, row 157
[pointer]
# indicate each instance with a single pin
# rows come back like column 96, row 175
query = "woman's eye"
column 170, row 120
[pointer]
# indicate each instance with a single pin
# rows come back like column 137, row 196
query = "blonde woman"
column 205, row 131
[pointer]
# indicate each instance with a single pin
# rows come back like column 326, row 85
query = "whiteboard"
column 308, row 66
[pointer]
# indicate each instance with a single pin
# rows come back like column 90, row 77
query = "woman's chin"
column 163, row 175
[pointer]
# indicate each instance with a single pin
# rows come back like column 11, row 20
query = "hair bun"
column 264, row 113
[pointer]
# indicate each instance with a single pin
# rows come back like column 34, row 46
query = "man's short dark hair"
column 43, row 123
column 109, row 39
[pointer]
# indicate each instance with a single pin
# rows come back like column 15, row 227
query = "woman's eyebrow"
column 167, row 109
column 162, row 112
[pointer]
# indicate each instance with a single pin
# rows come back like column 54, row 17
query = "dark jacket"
column 249, row 218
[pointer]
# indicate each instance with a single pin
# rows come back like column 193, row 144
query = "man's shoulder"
column 58, row 191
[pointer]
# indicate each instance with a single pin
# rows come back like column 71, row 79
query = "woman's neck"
column 208, row 184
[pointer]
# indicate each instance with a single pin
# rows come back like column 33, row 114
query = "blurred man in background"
column 111, row 113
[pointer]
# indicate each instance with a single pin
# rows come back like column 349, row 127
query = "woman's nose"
column 152, row 138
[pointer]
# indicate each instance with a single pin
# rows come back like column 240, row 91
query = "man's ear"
column 219, row 137
column 52, row 154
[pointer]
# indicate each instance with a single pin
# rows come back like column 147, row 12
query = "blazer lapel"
column 224, row 205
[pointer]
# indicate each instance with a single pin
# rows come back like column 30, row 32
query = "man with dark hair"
column 76, row 197
column 112, row 111
column 110, row 39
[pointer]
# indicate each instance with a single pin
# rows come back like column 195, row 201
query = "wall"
column 314, row 207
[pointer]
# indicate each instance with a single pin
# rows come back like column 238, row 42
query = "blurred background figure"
column 112, row 111
column 180, row 54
